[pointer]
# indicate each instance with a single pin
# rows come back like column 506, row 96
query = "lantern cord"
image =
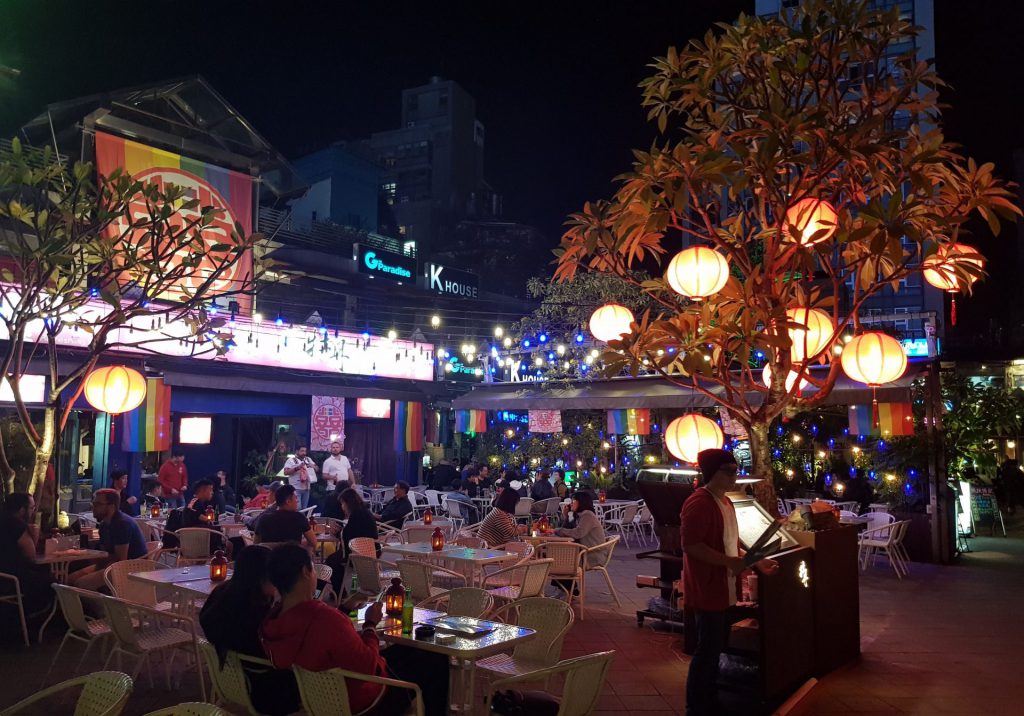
column 874, row 406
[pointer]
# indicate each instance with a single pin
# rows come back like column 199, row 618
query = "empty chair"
column 123, row 587
column 566, row 567
column 584, row 679
column 419, row 576
column 104, row 693
column 847, row 514
column 364, row 546
column 412, row 535
column 469, row 540
column 372, row 574
column 191, row 708
column 885, row 540
column 550, row 618
column 523, row 508
column 878, row 519
column 388, row 534
column 645, row 523
column 519, row 582
column 461, row 602
column 433, row 499
column 324, row 693
column 194, row 544
column 543, row 507
column 623, row 522
column 16, row 599
column 80, row 627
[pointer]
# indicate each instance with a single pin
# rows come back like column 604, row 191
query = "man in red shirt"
column 173, row 477
column 712, row 562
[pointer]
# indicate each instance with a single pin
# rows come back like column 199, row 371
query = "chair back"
column 230, row 684
column 191, row 708
column 469, row 602
column 417, row 534
column 471, row 541
column 565, row 557
column 432, row 498
column 417, row 577
column 363, row 546
column 898, row 532
column 600, row 555
column 457, row 509
column 122, row 625
column 323, row 571
column 194, row 542
column 848, row 514
column 122, row 587
column 367, row 571
column 628, row 513
column 524, row 506
column 325, row 693
column 71, row 606
column 524, row 550
column 584, row 679
column 553, row 506
column 550, row 618
column 878, row 519
column 534, row 577
column 105, row 693
column 388, row 534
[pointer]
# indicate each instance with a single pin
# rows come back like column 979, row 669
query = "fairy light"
column 435, row 321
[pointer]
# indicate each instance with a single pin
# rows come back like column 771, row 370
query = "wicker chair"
column 596, row 559
column 139, row 631
column 17, row 600
column 123, row 587
column 80, row 627
column 520, row 581
column 373, row 574
column 194, row 544
column 567, row 567
column 584, row 679
column 523, row 508
column 419, row 576
column 364, row 546
column 192, row 708
column 104, row 693
column 412, row 535
column 468, row 540
column 461, row 602
column 550, row 618
column 324, row 573
column 325, row 693
column 388, row 534
column 229, row 681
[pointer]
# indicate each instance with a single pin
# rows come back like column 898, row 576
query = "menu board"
column 984, row 507
column 753, row 520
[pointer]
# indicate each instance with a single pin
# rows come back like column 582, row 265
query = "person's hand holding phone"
column 373, row 616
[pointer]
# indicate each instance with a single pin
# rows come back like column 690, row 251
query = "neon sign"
column 385, row 264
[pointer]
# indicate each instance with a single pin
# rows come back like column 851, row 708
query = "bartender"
column 712, row 561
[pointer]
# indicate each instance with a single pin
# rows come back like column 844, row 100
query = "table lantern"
column 154, row 511
column 211, row 515
column 602, row 496
column 437, row 540
column 428, row 516
column 218, row 567
column 543, row 526
column 394, row 598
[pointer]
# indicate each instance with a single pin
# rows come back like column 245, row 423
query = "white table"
column 472, row 561
column 175, row 575
column 465, row 650
column 437, row 522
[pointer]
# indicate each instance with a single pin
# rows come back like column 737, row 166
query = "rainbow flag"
column 862, row 421
column 471, row 421
column 408, row 426
column 632, row 421
column 148, row 427
column 894, row 419
column 229, row 191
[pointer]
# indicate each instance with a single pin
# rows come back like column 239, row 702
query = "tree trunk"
column 45, row 495
column 761, row 467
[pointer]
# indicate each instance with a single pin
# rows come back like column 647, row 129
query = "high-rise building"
column 916, row 303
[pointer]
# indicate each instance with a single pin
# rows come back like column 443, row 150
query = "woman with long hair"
column 360, row 524
column 500, row 525
column 588, row 530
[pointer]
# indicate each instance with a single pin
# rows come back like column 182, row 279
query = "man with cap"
column 712, row 562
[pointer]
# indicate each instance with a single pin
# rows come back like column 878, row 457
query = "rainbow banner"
column 862, row 421
column 228, row 191
column 633, row 421
column 471, row 421
column 896, row 419
column 148, row 427
column 408, row 426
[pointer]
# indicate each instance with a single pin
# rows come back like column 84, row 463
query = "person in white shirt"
column 301, row 473
column 336, row 468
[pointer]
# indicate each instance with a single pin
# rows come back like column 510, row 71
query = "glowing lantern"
column 428, row 516
column 610, row 322
column 766, row 376
column 154, row 511
column 940, row 271
column 115, row 389
column 697, row 272
column 394, row 598
column 813, row 334
column 874, row 359
column 437, row 540
column 809, row 217
column 218, row 567
column 688, row 435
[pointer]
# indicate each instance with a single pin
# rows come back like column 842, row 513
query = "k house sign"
column 452, row 282
column 384, row 264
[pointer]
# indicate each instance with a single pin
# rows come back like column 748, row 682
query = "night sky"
column 555, row 83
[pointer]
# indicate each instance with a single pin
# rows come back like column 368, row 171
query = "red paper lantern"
column 697, row 272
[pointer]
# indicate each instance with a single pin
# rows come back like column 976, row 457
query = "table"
column 175, row 575
column 466, row 651
column 442, row 523
column 538, row 540
column 471, row 560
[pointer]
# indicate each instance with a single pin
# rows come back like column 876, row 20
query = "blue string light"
column 579, row 337
column 543, row 337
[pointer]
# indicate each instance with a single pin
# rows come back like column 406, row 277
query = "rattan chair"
column 229, row 681
column 523, row 508
column 550, row 618
column 104, row 693
column 17, row 600
column 141, row 631
column 584, row 680
column 80, row 627
column 387, row 534
column 123, row 587
column 364, row 546
column 596, row 559
column 419, row 577
column 324, row 573
column 519, row 582
column 567, row 566
column 373, row 574
column 468, row 540
column 325, row 693
column 411, row 535
column 192, row 708
column 194, row 544
column 461, row 602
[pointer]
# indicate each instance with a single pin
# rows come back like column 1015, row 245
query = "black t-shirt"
column 12, row 559
column 282, row 526
column 122, row 529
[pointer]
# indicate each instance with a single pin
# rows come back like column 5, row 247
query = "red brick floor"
column 946, row 640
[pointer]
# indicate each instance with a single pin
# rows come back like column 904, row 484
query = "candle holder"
column 394, row 598
column 218, row 567
column 428, row 516
column 437, row 540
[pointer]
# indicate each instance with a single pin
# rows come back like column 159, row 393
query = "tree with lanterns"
column 800, row 170
column 114, row 264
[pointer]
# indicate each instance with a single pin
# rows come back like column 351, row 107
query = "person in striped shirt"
column 500, row 525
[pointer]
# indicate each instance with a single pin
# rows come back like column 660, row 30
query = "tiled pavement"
column 945, row 641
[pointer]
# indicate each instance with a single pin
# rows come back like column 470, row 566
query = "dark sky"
column 555, row 82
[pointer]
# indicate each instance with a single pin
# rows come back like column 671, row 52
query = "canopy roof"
column 650, row 392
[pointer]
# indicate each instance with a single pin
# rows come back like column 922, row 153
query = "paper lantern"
column 766, row 376
column 809, row 217
column 813, row 334
column 874, row 359
column 697, row 272
column 115, row 389
column 610, row 322
column 939, row 268
column 690, row 434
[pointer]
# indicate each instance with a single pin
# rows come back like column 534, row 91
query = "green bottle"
column 353, row 589
column 407, row 613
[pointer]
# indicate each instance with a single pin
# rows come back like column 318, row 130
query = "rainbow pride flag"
column 408, row 426
column 894, row 420
column 148, row 427
column 632, row 421
column 471, row 421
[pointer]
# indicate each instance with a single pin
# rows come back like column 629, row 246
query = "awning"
column 648, row 392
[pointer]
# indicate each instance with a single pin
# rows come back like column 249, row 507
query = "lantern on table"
column 428, row 516
column 210, row 516
column 610, row 322
column 690, row 434
column 154, row 511
column 811, row 221
column 218, row 567
column 437, row 540
column 115, row 389
column 394, row 598
column 602, row 496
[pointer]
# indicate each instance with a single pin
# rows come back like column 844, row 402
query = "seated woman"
column 306, row 632
column 500, row 525
column 231, row 619
column 360, row 524
column 588, row 530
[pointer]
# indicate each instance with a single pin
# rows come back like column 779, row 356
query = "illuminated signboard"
column 451, row 282
column 32, row 387
column 379, row 263
column 373, row 408
column 195, row 430
column 918, row 347
column 507, row 416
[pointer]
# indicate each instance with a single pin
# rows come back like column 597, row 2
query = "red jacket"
column 317, row 638
column 173, row 475
column 705, row 586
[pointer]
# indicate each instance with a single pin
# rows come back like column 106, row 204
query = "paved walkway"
column 944, row 641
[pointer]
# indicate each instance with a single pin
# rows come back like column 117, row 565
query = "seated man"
column 397, row 508
column 286, row 523
column 253, row 522
column 468, row 506
column 18, row 537
column 193, row 515
column 120, row 536
column 151, row 495
column 306, row 632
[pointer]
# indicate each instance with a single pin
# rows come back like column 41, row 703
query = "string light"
column 435, row 321
column 499, row 332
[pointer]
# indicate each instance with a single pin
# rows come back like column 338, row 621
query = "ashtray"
column 424, row 632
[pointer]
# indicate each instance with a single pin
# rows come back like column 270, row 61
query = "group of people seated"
column 268, row 610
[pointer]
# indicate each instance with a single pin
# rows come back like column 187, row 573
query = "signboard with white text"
column 387, row 265
column 451, row 282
